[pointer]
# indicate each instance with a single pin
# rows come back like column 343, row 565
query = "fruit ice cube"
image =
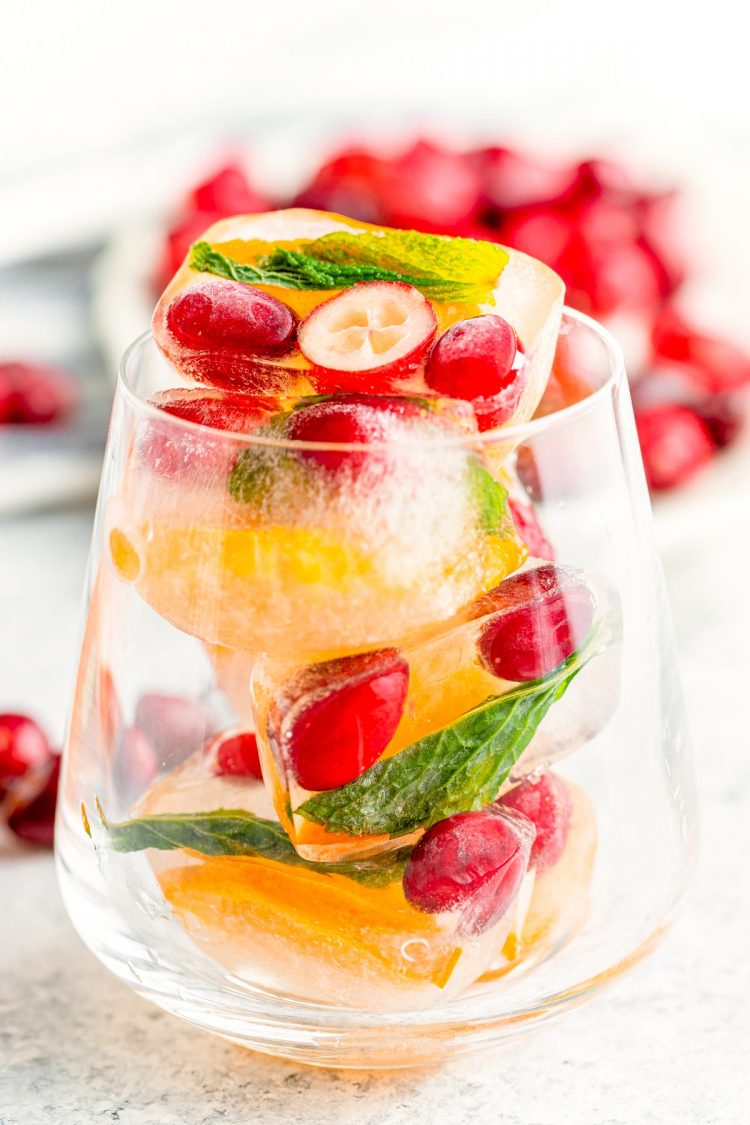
column 322, row 726
column 284, row 299
column 340, row 938
column 292, row 548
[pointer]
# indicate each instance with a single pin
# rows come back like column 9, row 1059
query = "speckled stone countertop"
column 669, row 1044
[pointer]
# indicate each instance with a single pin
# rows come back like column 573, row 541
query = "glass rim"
column 515, row 434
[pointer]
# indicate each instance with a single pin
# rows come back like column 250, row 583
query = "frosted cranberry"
column 228, row 192
column 339, row 716
column 471, row 863
column 23, row 747
column 228, row 314
column 548, row 805
column 36, row 394
column 173, row 724
column 221, row 410
column 235, row 755
column 473, row 359
column 338, row 423
column 544, row 615
column 675, row 444
column 34, row 821
column 530, row 530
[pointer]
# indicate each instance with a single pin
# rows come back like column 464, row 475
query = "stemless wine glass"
column 299, row 656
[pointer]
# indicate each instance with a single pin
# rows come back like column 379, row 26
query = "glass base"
column 191, row 986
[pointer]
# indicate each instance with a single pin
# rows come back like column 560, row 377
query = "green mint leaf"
column 490, row 497
column 457, row 768
column 236, row 832
column 444, row 269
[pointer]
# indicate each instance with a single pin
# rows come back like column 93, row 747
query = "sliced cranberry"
column 234, row 755
column 675, row 444
column 227, row 191
column 36, row 394
column 338, row 717
column 23, row 747
column 174, row 725
column 368, row 338
column 471, row 863
column 530, row 530
column 228, row 314
column 544, row 615
column 548, row 805
column 473, row 359
column 34, row 821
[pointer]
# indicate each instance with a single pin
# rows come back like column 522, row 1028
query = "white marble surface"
column 670, row 1044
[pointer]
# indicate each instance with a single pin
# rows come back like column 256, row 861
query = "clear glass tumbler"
column 377, row 753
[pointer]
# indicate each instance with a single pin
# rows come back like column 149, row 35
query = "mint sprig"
column 444, row 269
column 458, row 768
column 236, row 832
column 490, row 497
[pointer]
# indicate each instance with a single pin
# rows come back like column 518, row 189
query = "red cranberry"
column 227, row 192
column 724, row 366
column 513, row 180
column 545, row 614
column 235, row 755
column 549, row 806
column 180, row 237
column 473, row 359
column 338, row 423
column 34, row 822
column 350, row 183
column 228, row 314
column 675, row 444
column 725, row 416
column 471, row 863
column 220, row 410
column 23, row 747
column 36, row 394
column 173, row 724
column 530, row 530
column 339, row 716
column 431, row 189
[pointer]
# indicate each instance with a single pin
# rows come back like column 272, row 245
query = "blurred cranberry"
column 601, row 179
column 431, row 188
column 350, row 183
column 723, row 364
column 180, row 237
column 661, row 230
column 174, row 724
column 228, row 192
column 35, row 394
column 542, row 233
column 675, row 444
column 23, row 747
column 34, row 821
column 512, row 180
column 725, row 416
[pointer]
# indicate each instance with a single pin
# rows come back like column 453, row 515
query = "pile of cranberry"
column 614, row 244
